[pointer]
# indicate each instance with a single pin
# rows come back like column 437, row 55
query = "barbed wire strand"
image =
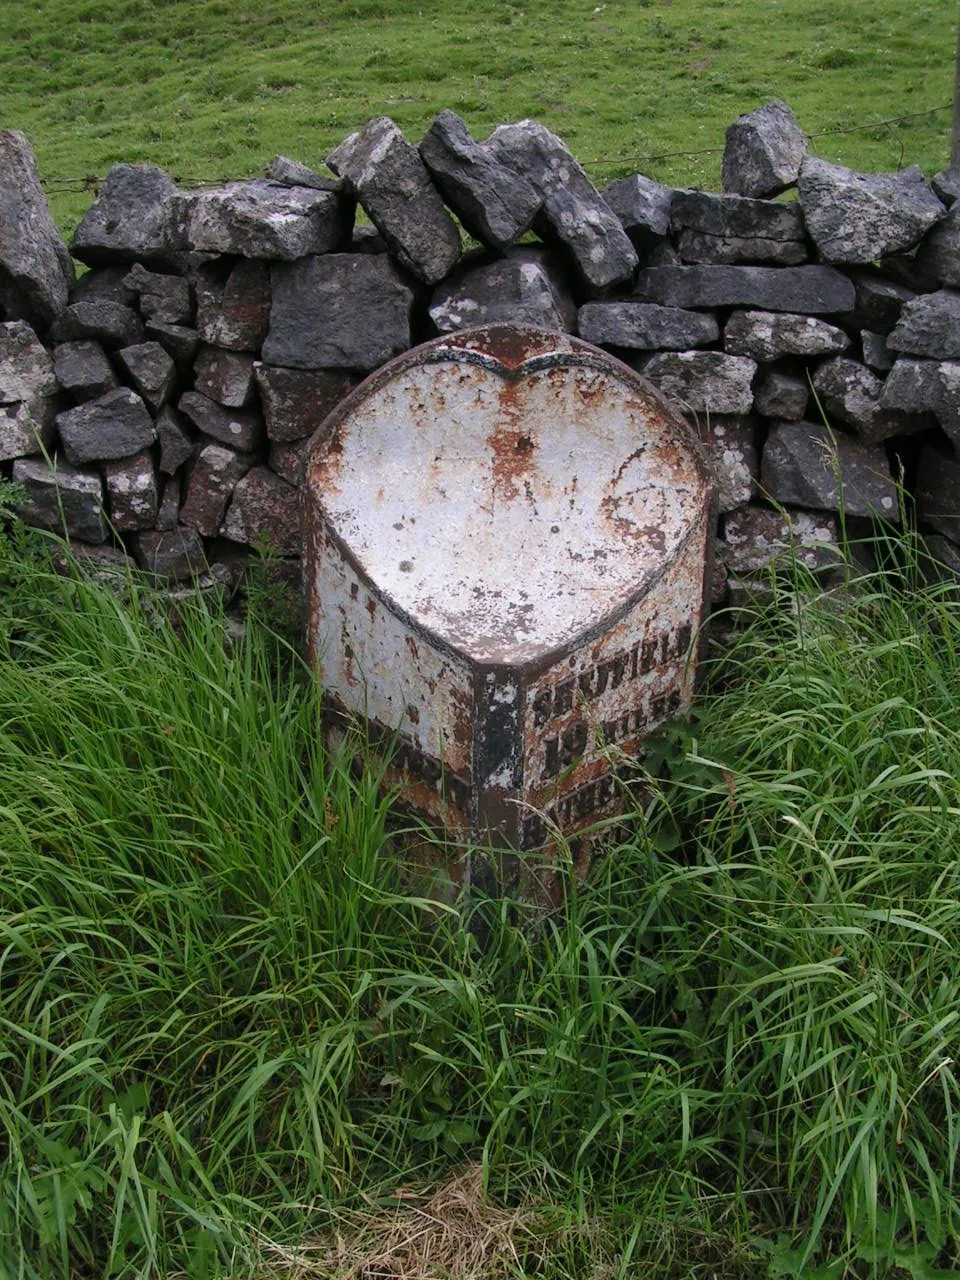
column 823, row 133
column 91, row 182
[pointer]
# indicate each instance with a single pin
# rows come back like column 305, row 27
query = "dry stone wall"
column 159, row 405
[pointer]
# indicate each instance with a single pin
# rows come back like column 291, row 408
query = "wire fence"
column 62, row 185
column 658, row 156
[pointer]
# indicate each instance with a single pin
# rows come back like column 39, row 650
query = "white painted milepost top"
column 508, row 489
column 508, row 541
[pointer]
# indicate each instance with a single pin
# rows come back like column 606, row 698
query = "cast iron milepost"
column 508, row 543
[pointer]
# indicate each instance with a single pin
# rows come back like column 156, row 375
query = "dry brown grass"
column 454, row 1233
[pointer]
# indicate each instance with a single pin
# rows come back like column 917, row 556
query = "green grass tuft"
column 229, row 1026
column 821, row 875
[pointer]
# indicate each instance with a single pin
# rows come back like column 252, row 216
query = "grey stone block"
column 129, row 220
column 697, row 246
column 769, row 335
column 291, row 173
column 947, row 399
column 35, row 268
column 763, row 151
column 179, row 342
column 163, row 298
column 175, row 554
column 661, row 254
column 703, row 381
column 938, row 256
column 240, row 428
column 756, row 540
column 850, row 393
column 110, row 323
column 804, row 464
column 265, row 512
column 644, row 326
column 132, row 493
column 225, row 376
column 99, row 562
column 781, row 395
column 912, row 271
column 876, row 354
column 392, row 184
column 108, row 283
column 643, row 208
column 261, row 219
column 907, row 269
column 296, row 401
column 115, row 425
column 83, row 369
column 212, row 480
column 176, row 444
column 62, row 498
column 494, row 204
column 879, row 301
column 151, row 370
column 233, row 305
column 937, row 493
column 340, row 311
column 289, row 459
column 806, row 290
column 168, row 511
column 946, row 184
column 929, row 326
column 573, row 210
column 736, row 217
column 26, row 369
column 857, row 217
column 911, row 394
column 731, row 453
column 525, row 287
column 26, row 428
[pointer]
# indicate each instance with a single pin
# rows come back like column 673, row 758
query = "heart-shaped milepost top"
column 492, row 510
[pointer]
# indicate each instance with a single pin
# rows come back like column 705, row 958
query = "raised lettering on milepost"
column 646, row 655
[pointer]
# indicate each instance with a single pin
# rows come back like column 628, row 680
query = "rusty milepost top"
column 508, row 535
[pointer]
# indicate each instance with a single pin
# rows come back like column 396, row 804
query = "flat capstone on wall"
column 159, row 405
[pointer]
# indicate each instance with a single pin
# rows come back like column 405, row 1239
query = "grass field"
column 216, row 88
column 235, row 1041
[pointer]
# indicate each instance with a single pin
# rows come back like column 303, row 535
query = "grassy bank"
column 209, row 89
column 230, row 1029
